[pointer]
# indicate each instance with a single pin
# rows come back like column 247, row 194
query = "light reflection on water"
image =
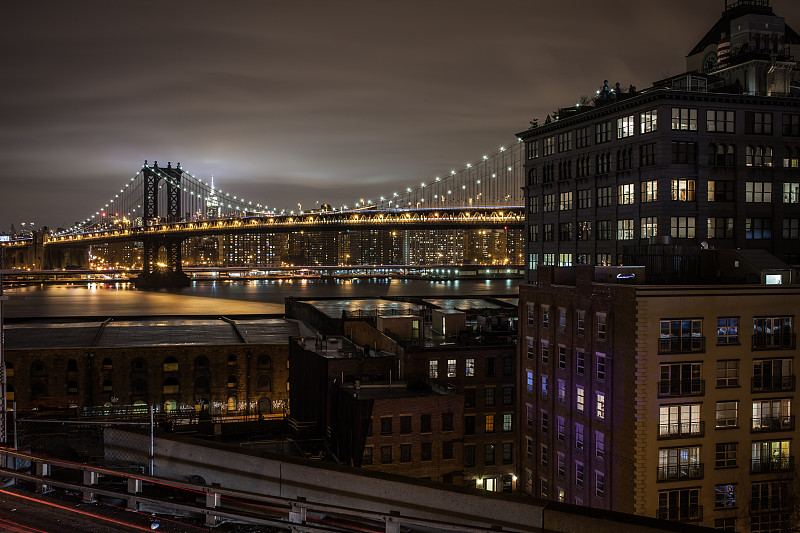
column 225, row 297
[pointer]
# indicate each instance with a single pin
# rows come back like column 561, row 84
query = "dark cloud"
column 288, row 102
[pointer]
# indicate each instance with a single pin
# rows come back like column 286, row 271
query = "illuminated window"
column 684, row 119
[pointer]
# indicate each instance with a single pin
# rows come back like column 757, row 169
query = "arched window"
column 139, row 387
column 107, row 385
column 730, row 155
column 138, row 365
column 231, row 360
column 170, row 364
column 201, row 385
column 72, row 387
column 201, row 363
column 171, row 386
column 264, row 362
column 39, row 390
column 231, row 382
column 140, row 407
column 38, row 369
column 264, row 383
column 107, row 364
column 264, row 406
column 170, row 405
column 72, row 365
column 231, row 403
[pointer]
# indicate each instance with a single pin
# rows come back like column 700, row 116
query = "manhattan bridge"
column 165, row 219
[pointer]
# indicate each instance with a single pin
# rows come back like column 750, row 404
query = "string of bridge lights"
column 214, row 194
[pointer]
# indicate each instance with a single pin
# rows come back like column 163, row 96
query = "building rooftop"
column 53, row 334
column 462, row 304
column 385, row 391
column 364, row 307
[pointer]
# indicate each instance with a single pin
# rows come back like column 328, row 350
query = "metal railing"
column 763, row 465
column 777, row 341
column 772, row 383
column 682, row 345
column 772, row 423
column 680, row 472
column 694, row 387
column 690, row 513
column 678, row 430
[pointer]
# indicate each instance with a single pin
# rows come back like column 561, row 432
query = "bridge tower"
column 169, row 274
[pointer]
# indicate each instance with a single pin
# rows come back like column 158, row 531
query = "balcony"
column 680, row 472
column 772, row 383
column 682, row 345
column 769, row 505
column 681, row 430
column 692, row 513
column 777, row 341
column 674, row 389
column 765, row 465
column 772, row 423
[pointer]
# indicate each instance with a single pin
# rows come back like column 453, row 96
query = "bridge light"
column 509, row 169
column 502, row 149
column 469, row 165
column 452, row 172
column 438, row 178
column 485, row 157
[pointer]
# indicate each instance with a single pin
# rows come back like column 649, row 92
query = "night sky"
column 302, row 101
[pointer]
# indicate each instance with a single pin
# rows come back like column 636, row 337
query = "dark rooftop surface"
column 268, row 331
column 462, row 304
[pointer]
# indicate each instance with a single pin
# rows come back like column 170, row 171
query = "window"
column 757, row 228
column 626, row 126
column 545, row 316
column 533, row 205
column 649, row 191
column 601, row 326
column 603, row 196
column 600, row 368
column 648, row 121
column 405, row 425
column 791, row 193
column 545, row 391
column 469, row 398
column 582, row 136
column 367, row 459
column 489, row 454
column 625, row 194
column 508, row 395
column 684, row 119
column 489, row 396
column 728, row 373
column 580, row 361
column 469, row 367
column 772, row 415
column 722, row 155
column 565, row 141
column 602, row 132
column 565, row 232
column 532, row 149
column 451, row 368
column 545, row 425
column 720, row 228
column 561, row 391
column 602, row 163
column 489, row 364
column 584, row 232
column 599, row 484
column 728, row 330
column 649, row 227
column 680, row 379
column 683, row 227
column 405, row 453
column 507, row 422
column 386, row 455
column 508, row 453
column 584, row 198
column 727, row 414
column 433, row 369
column 725, row 454
column 679, row 463
column 581, row 322
column 791, row 125
column 579, row 398
column 561, row 466
column 426, row 451
column 530, row 350
column 647, row 155
column 771, row 496
column 725, row 496
column 549, row 203
column 791, row 228
column 679, row 504
column 565, row 201
column 543, row 455
column 386, row 425
column 579, row 473
column 529, row 380
column 447, row 421
column 758, row 156
column 489, row 423
column 679, row 420
column 599, row 445
column 425, row 423
column 683, row 190
column 720, row 121
column 770, row 456
column 469, row 425
column 547, row 236
column 549, row 146
column 508, row 366
column 529, row 414
column 625, row 229
column 771, row 374
column 757, row 123
column 447, row 449
column 579, row 436
column 600, row 405
column 562, row 354
column 545, row 352
column 562, row 319
column 684, row 153
column 603, row 259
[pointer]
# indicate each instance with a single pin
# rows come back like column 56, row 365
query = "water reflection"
column 225, row 297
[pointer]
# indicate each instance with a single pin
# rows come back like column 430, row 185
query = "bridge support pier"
column 155, row 274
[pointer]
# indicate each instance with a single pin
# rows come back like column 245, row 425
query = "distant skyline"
column 307, row 101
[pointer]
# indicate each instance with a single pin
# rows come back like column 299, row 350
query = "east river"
column 223, row 297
